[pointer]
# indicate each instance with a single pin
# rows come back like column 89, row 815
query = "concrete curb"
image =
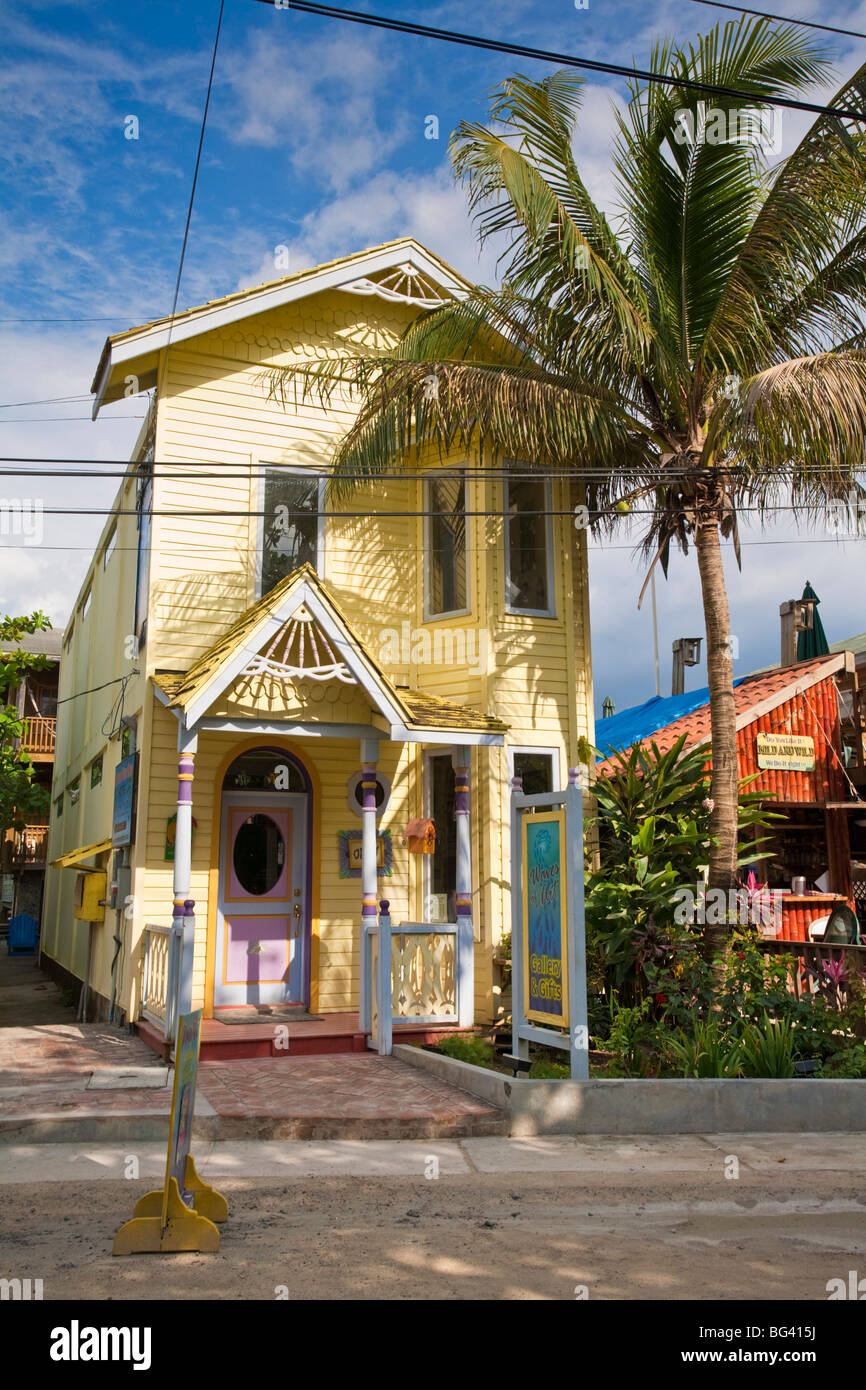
column 799, row 1106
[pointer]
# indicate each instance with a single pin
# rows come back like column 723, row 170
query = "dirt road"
column 491, row 1235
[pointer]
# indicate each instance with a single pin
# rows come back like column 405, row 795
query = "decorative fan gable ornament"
column 300, row 651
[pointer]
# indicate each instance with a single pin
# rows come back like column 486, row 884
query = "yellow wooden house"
column 277, row 712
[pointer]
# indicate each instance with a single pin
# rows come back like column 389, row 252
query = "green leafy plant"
column 630, row 1038
column 542, row 1070
column 467, row 1049
column 768, row 1049
column 707, row 1052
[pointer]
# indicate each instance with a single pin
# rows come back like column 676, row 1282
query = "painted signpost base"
column 205, row 1199
column 161, row 1220
column 184, row 1228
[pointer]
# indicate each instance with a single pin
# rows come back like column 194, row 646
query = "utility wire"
column 195, row 172
column 783, row 19
column 401, row 26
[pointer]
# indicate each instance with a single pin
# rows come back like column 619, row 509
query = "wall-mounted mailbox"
column 89, row 893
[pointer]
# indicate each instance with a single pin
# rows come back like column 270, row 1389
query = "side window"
column 144, row 508
column 528, row 546
column 440, row 868
column 536, row 771
column 292, row 525
column 447, row 572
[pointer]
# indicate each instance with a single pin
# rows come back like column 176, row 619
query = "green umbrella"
column 812, row 642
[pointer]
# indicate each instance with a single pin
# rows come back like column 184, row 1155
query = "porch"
column 266, row 917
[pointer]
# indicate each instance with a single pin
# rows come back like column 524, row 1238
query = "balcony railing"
column 29, row 846
column 38, row 737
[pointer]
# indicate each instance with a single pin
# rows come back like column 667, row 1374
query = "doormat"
column 267, row 1013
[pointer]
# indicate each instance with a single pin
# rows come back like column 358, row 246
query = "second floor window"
column 528, row 546
column 144, row 507
column 447, row 579
column 292, row 524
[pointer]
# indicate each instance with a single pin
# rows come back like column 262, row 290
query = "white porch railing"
column 418, row 976
column 159, row 981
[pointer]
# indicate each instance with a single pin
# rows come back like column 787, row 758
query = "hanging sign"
column 786, row 752
column 545, row 931
column 121, row 820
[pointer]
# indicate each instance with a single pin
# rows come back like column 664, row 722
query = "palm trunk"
column 720, row 670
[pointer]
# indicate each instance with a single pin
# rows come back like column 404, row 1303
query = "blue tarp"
column 631, row 725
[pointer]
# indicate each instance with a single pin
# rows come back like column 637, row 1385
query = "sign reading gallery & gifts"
column 545, row 929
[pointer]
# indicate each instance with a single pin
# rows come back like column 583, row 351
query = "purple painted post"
column 369, row 889
column 183, row 920
column 465, row 941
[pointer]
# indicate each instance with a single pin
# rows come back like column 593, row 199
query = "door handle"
column 296, row 913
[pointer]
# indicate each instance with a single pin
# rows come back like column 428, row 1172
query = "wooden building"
column 789, row 737
column 296, row 681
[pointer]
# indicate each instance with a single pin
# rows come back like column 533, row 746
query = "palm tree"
column 703, row 355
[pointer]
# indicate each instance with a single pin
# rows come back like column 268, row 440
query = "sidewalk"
column 62, row 1081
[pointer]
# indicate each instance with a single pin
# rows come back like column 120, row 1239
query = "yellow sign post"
column 183, row 1214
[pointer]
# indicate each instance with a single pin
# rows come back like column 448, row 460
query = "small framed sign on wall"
column 351, row 842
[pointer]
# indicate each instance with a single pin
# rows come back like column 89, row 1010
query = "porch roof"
column 407, row 712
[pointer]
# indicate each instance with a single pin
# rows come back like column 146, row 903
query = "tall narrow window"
column 144, row 507
column 528, row 546
column 440, row 896
column 447, row 571
column 292, row 525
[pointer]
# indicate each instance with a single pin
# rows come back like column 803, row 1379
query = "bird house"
column 420, row 835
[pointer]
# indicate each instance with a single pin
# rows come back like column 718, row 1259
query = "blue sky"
column 315, row 141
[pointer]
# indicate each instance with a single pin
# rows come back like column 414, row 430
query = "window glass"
column 290, row 529
column 96, row 771
column 264, row 769
column 58, row 806
column 526, row 578
column 536, row 770
column 259, row 854
column 447, row 572
column 441, row 896
column 142, row 579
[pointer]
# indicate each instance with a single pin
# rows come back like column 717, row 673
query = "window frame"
column 262, row 467
column 429, row 616
column 550, row 611
column 110, row 546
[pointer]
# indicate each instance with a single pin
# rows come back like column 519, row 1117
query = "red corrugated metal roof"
column 754, row 692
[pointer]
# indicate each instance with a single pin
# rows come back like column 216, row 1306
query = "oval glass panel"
column 259, row 854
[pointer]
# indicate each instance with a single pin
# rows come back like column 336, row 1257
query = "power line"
column 50, row 419
column 126, row 468
column 783, row 19
column 565, row 59
column 195, row 172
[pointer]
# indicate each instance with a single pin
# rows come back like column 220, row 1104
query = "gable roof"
column 407, row 712
column 753, row 696
column 148, row 339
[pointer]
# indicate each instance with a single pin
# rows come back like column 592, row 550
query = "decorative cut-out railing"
column 422, row 978
column 157, row 991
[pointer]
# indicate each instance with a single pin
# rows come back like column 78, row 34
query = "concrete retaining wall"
column 747, row 1106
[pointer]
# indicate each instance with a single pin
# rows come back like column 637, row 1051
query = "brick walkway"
column 58, row 1076
column 345, row 1096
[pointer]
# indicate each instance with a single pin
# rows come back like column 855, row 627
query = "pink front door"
column 261, row 926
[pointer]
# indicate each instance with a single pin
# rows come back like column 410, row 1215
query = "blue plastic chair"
column 23, row 935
